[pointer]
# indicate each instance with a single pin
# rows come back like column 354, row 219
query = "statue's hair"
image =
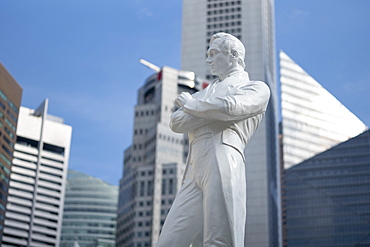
column 231, row 45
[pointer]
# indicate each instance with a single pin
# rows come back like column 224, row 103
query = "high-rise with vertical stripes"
column 252, row 21
column 38, row 174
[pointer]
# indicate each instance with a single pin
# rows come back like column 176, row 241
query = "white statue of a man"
column 210, row 208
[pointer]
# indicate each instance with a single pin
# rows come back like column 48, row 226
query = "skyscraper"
column 313, row 120
column 36, row 189
column 155, row 162
column 327, row 197
column 252, row 21
column 10, row 100
column 90, row 212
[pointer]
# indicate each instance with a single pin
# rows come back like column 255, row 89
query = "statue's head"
column 225, row 51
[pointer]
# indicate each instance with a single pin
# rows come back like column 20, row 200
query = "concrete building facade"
column 38, row 174
column 155, row 162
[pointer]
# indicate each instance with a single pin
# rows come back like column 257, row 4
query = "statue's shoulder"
column 245, row 81
column 258, row 83
column 259, row 86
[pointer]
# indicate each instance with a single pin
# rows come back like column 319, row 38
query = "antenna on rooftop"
column 150, row 65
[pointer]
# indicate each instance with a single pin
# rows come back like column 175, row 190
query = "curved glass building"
column 89, row 211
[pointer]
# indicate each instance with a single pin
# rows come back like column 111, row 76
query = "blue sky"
column 83, row 56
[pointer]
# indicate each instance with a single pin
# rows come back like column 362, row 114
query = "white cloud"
column 298, row 13
column 144, row 13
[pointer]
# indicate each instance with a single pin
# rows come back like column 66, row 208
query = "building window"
column 142, row 188
column 13, row 107
column 7, row 151
column 3, row 96
column 163, row 186
column 11, row 115
column 149, row 188
column 5, row 159
column 170, row 186
column 10, row 124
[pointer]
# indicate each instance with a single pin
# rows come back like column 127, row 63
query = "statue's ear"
column 234, row 56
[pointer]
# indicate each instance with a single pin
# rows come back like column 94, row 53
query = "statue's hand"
column 183, row 98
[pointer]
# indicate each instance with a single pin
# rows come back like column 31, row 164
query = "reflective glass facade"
column 327, row 197
column 90, row 211
column 313, row 120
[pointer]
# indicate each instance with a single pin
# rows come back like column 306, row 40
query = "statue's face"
column 218, row 62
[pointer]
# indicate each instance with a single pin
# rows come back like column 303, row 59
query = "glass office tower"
column 313, row 120
column 252, row 21
column 90, row 212
column 327, row 197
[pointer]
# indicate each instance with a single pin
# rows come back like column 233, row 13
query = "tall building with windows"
column 313, row 120
column 155, row 162
column 38, row 174
column 252, row 21
column 90, row 212
column 10, row 100
column 327, row 197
